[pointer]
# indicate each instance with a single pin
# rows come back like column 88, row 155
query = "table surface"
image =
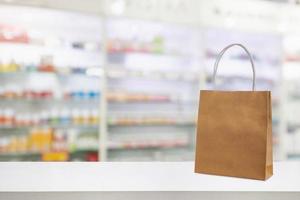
column 135, row 176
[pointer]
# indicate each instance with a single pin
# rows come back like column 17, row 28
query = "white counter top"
column 136, row 176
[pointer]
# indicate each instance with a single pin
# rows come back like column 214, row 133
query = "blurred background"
column 119, row 80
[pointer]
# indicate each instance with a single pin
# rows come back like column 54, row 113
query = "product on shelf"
column 17, row 92
column 13, row 34
column 43, row 66
column 87, row 141
column 292, row 58
column 55, row 156
column 37, row 140
column 126, row 46
column 9, row 67
column 82, row 94
column 92, row 156
column 51, row 144
column 36, row 94
column 9, row 118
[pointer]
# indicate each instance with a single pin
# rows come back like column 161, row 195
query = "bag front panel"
column 232, row 133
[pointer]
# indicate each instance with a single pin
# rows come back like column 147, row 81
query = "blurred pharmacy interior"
column 119, row 80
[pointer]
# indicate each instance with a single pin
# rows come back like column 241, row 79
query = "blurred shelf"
column 37, row 44
column 49, row 126
column 118, row 122
column 111, row 146
column 82, row 149
column 147, row 144
column 20, row 154
column 152, row 123
column 211, row 56
column 23, row 73
column 141, row 53
column 209, row 78
column 112, row 122
column 146, row 98
column 37, row 154
column 118, row 72
column 153, row 54
column 128, row 99
column 81, row 72
column 49, row 100
column 119, row 98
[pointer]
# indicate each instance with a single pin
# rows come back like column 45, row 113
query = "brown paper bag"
column 234, row 131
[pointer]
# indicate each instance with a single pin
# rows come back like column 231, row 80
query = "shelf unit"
column 135, row 63
column 44, row 113
column 154, row 98
column 291, row 87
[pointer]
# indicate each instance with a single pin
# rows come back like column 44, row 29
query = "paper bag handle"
column 222, row 53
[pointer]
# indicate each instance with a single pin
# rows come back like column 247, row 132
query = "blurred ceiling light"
column 117, row 7
column 94, row 71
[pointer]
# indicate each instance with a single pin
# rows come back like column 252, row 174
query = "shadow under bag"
column 234, row 131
